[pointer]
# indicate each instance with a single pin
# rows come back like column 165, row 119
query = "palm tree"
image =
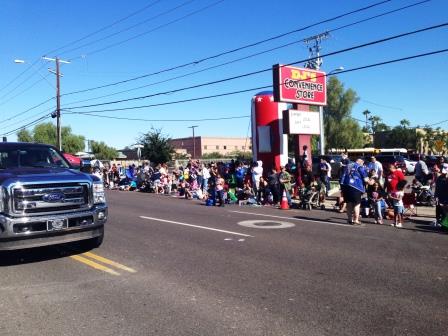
column 367, row 113
column 405, row 123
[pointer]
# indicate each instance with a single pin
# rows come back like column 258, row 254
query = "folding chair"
column 409, row 202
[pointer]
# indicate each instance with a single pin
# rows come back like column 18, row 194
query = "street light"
column 321, row 114
column 139, row 151
column 57, row 113
column 58, row 97
column 194, row 141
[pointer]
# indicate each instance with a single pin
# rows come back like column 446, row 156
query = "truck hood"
column 42, row 175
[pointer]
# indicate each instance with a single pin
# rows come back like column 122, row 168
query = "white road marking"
column 195, row 226
column 297, row 219
column 255, row 224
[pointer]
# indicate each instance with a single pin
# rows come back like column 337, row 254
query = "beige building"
column 205, row 145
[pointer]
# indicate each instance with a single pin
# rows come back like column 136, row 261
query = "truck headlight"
column 99, row 196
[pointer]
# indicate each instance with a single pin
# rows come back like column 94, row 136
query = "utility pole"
column 194, row 141
column 57, row 115
column 314, row 62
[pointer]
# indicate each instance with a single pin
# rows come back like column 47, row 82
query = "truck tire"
column 95, row 242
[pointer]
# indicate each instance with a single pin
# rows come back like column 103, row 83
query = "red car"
column 74, row 161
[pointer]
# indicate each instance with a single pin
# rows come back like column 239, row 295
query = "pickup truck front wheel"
column 95, row 242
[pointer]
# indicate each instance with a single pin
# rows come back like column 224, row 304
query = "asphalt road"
column 170, row 266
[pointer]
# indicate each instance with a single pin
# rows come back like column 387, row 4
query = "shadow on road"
column 39, row 254
column 427, row 229
column 335, row 220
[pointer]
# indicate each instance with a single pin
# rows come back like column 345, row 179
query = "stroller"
column 312, row 197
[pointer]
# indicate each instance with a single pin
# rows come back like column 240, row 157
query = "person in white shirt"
column 421, row 170
column 378, row 168
column 257, row 172
column 205, row 177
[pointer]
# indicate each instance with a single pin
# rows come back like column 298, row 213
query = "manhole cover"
column 266, row 224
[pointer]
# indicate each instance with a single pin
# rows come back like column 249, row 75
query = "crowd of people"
column 385, row 188
column 217, row 183
column 366, row 186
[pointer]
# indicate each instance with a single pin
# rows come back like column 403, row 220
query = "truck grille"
column 32, row 199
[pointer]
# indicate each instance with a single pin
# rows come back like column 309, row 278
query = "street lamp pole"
column 194, row 141
column 58, row 107
column 58, row 99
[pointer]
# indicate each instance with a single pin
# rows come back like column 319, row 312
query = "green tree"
column 240, row 155
column 46, row 133
column 212, row 155
column 378, row 125
column 341, row 131
column 102, row 151
column 402, row 136
column 156, row 146
column 24, row 136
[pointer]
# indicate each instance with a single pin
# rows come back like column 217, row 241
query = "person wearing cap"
column 441, row 193
column 352, row 183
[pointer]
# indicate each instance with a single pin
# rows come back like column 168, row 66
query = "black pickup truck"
column 45, row 202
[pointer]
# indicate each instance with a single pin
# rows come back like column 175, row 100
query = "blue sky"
column 175, row 32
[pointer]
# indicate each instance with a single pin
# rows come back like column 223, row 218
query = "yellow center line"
column 94, row 264
column 109, row 262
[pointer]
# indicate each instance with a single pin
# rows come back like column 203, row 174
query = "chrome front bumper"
column 31, row 231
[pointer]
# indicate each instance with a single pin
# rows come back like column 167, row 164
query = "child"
column 220, row 190
column 397, row 200
column 375, row 195
column 340, row 204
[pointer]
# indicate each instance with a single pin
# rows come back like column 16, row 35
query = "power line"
column 81, row 39
column 202, row 9
column 26, row 111
column 381, row 105
column 195, row 62
column 19, row 75
column 264, row 70
column 252, row 89
column 27, row 125
column 166, row 120
column 438, row 123
column 104, row 28
column 24, row 81
column 152, row 30
column 25, row 90
column 28, row 118
column 128, row 28
column 261, row 87
column 241, row 58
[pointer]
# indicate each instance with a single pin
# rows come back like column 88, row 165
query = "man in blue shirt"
column 352, row 182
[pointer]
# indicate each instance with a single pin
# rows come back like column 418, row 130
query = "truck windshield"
column 38, row 157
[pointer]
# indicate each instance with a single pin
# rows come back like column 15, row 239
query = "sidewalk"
column 422, row 211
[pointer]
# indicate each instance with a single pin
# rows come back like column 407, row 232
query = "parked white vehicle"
column 410, row 166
